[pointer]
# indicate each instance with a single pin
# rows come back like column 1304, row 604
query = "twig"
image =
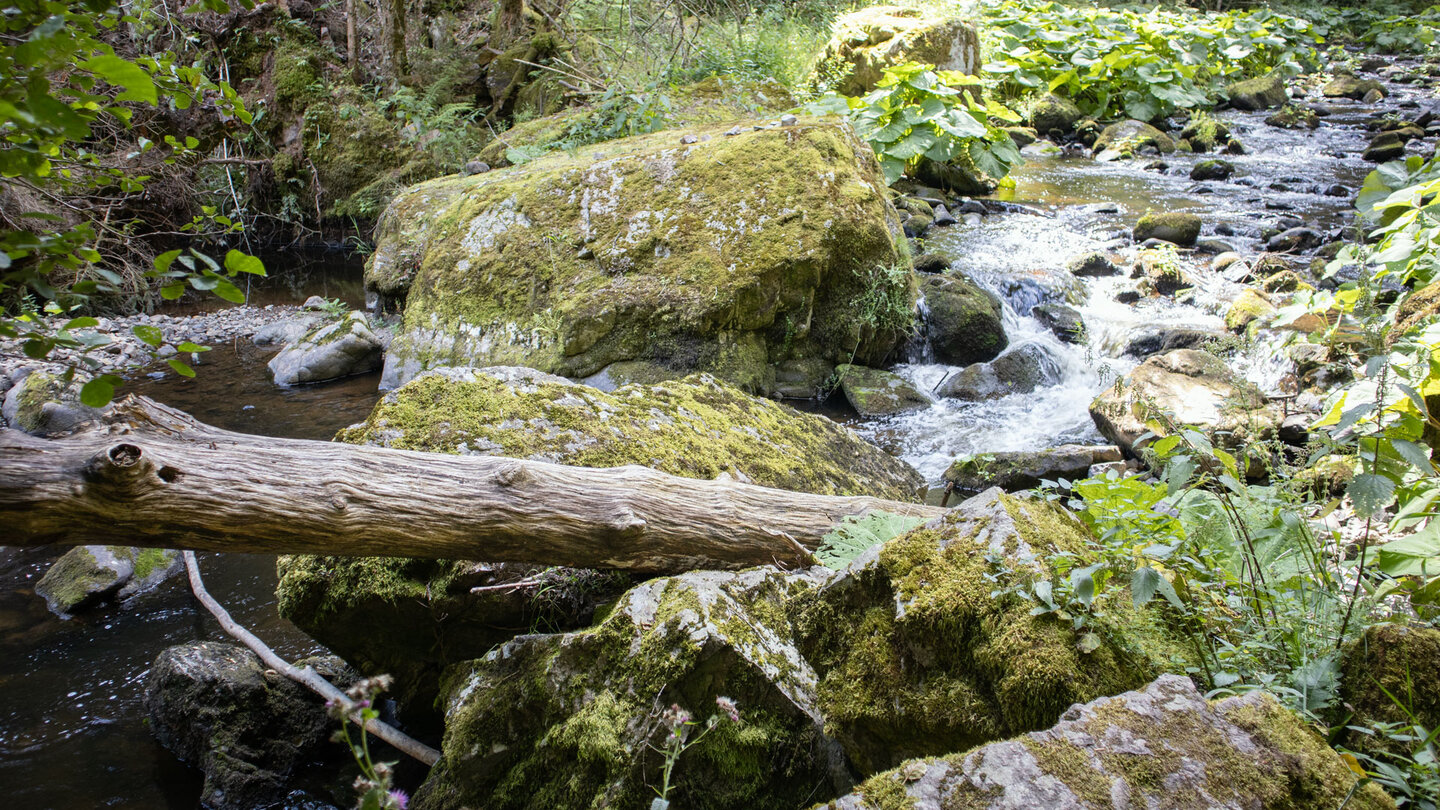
column 307, row 676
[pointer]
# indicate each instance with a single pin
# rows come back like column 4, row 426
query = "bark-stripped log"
column 149, row 475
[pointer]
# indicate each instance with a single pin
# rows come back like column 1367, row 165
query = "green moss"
column 1388, row 676
column 297, row 73
column 697, row 427
column 938, row 664
column 1250, row 307
column 74, row 579
column 646, row 249
column 148, row 560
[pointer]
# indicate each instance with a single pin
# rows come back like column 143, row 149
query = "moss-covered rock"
column 1184, row 387
column 1347, row 85
column 730, row 255
column 409, row 618
column 1388, row 676
column 86, row 576
column 1052, row 114
column 45, row 405
column 1251, row 306
column 1259, row 93
column 1022, row 469
column 1212, row 170
column 570, row 720
column 337, row 349
column 1176, row 227
column 1294, row 117
column 248, row 729
column 868, row 41
column 1127, row 139
column 962, row 320
column 1162, row 746
column 917, row 656
column 873, row 392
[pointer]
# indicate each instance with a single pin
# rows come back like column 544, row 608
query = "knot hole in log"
column 128, row 469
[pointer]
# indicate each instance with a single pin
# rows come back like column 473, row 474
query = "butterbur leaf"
column 229, row 292
column 123, row 73
column 1371, row 492
column 172, row 291
column 181, row 367
column 187, row 346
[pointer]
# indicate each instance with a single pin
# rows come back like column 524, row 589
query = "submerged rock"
column 962, row 320
column 248, row 729
column 1018, row 371
column 868, row 41
column 1161, row 746
column 1023, row 469
column 569, row 720
column 1188, row 387
column 338, row 349
column 86, row 576
column 728, row 255
column 409, row 618
column 917, row 656
column 873, row 392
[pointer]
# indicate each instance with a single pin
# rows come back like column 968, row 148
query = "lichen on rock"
column 730, row 254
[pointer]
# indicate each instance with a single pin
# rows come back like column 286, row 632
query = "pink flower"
column 398, row 799
column 729, row 708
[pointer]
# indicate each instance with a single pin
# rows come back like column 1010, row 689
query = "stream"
column 72, row 733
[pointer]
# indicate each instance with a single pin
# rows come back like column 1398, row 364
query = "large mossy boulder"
column 570, row 720
column 721, row 250
column 868, row 41
column 1055, row 114
column 1180, row 388
column 246, row 728
column 409, row 618
column 917, row 655
column 1163, row 746
column 963, row 321
column 1388, row 676
column 1177, row 227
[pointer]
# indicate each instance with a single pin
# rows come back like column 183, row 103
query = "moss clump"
column 917, row 656
column 1251, row 307
column 568, row 721
column 647, row 249
column 1176, row 227
column 1388, row 676
column 697, row 427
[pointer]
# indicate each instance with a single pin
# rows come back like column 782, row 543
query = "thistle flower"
column 398, row 799
column 728, row 706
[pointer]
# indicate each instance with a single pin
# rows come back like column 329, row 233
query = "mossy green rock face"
column 962, row 320
column 1259, row 93
column 915, row 657
column 698, row 427
column 1184, row 387
column 44, row 405
column 570, row 720
column 873, row 392
column 1250, row 307
column 409, row 618
column 1175, row 227
column 1129, row 138
column 1390, row 663
column 868, row 41
column 1161, row 746
column 1054, row 113
column 86, row 576
column 728, row 254
column 1352, row 87
column 1023, row 469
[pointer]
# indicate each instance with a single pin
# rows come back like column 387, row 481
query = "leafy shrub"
column 1141, row 65
column 918, row 113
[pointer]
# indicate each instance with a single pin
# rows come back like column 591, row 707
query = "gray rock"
column 962, row 320
column 1052, row 114
column 872, row 392
column 788, row 120
column 1018, row 371
column 1259, row 93
column 1129, row 138
column 1094, row 264
column 1348, row 86
column 943, row 216
column 476, row 167
column 246, row 728
column 1214, row 246
column 86, row 576
column 315, row 304
column 1161, row 746
column 44, row 405
column 1062, row 319
column 931, row 263
column 1294, row 240
column 1166, row 340
column 286, row 332
column 1212, row 170
column 1020, row 470
column 338, row 349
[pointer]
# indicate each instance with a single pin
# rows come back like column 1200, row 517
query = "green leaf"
column 230, row 292
column 164, row 260
column 123, row 73
column 79, row 323
column 99, row 391
column 1415, row 454
column 1143, row 584
column 1371, row 492
column 149, row 335
column 187, row 346
column 181, row 367
column 172, row 291
column 237, row 262
column 853, row 535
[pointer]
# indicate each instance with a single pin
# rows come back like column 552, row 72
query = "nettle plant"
column 918, row 113
column 1142, row 65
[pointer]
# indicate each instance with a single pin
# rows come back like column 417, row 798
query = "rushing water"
column 71, row 728
column 1076, row 206
column 72, row 732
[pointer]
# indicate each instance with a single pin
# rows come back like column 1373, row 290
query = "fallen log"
column 150, row 475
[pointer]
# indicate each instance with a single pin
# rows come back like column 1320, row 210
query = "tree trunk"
column 149, row 475
column 352, row 40
column 395, row 31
